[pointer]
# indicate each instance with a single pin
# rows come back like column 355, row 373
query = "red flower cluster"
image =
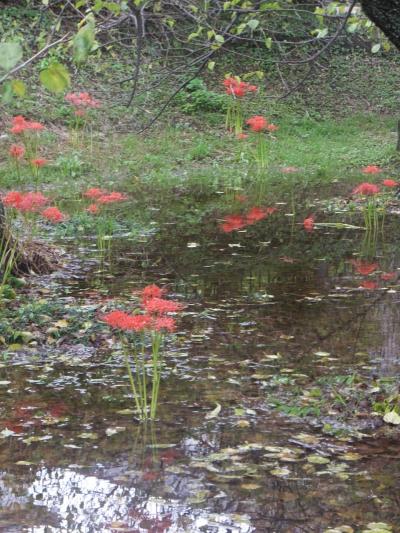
column 237, row 222
column 390, row 183
column 258, row 123
column 81, row 101
column 237, row 88
column 20, row 125
column 53, row 214
column 29, row 201
column 17, row 151
column 371, row 169
column 366, row 189
column 102, row 197
column 39, row 162
column 155, row 317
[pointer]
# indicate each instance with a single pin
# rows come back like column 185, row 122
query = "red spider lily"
column 82, row 100
column 13, row 199
column 237, row 88
column 20, row 124
column 390, row 183
column 161, row 306
column 389, row 276
column 126, row 322
column 93, row 209
column 308, row 223
column 255, row 214
column 152, row 291
column 39, row 162
column 32, row 201
column 232, row 223
column 366, row 189
column 80, row 113
column 53, row 214
column 257, row 123
column 17, row 151
column 369, row 284
column 363, row 267
column 164, row 323
column 94, row 193
column 371, row 169
column 112, row 197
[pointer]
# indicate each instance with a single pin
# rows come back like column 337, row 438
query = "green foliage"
column 55, row 78
column 83, row 41
column 197, row 98
column 10, row 55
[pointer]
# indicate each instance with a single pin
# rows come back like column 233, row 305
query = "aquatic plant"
column 136, row 331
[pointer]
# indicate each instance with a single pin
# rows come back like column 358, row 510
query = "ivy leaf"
column 18, row 87
column 10, row 55
column 83, row 42
column 55, row 78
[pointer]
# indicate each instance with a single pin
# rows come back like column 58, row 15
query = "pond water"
column 294, row 337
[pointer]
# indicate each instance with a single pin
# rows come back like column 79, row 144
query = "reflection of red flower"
column 164, row 323
column 369, row 284
column 389, row 276
column 161, row 306
column 371, row 169
column 366, row 189
column 308, row 224
column 232, row 223
column 390, row 183
column 255, row 214
column 363, row 267
column 152, row 291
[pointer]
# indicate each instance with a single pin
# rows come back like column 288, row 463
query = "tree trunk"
column 386, row 15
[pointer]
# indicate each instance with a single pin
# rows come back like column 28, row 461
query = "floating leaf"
column 91, row 436
column 214, row 413
column 318, row 459
column 392, row 418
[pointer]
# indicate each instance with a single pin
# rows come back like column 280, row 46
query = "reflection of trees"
column 388, row 314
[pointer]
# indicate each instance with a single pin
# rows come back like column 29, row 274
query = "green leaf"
column 55, row 78
column 18, row 87
column 253, row 24
column 7, row 93
column 376, row 48
column 10, row 55
column 211, row 65
column 83, row 42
